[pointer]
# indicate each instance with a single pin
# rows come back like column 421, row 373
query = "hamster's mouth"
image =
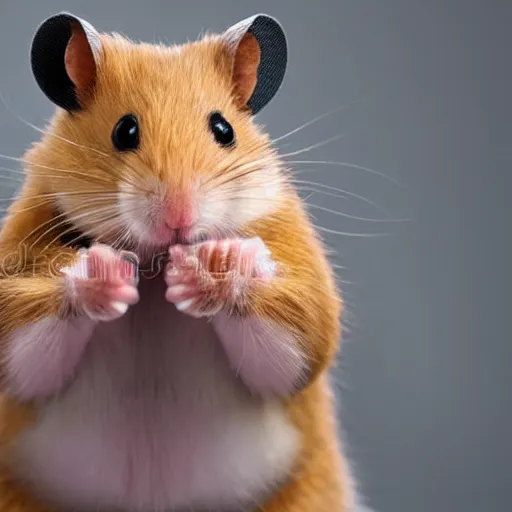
column 72, row 236
column 180, row 239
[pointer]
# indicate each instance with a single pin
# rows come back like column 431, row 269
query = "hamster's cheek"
column 215, row 214
column 137, row 213
column 243, row 199
column 233, row 209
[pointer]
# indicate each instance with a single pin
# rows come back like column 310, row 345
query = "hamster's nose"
column 179, row 212
column 182, row 236
column 180, row 218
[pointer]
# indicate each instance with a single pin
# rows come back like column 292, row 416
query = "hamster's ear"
column 64, row 56
column 259, row 48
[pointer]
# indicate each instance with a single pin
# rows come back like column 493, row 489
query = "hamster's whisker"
column 114, row 220
column 236, row 197
column 235, row 177
column 315, row 120
column 22, row 173
column 348, row 234
column 117, row 226
column 65, row 232
column 123, row 239
column 14, row 171
column 96, row 194
column 65, row 219
column 115, row 242
column 237, row 172
column 15, row 179
column 343, row 164
column 49, row 198
column 45, row 223
column 311, row 186
column 90, row 215
column 64, row 173
column 131, row 181
column 41, row 166
column 128, row 180
column 337, row 268
column 101, row 212
column 234, row 163
column 230, row 168
column 47, row 132
column 352, row 217
column 314, row 146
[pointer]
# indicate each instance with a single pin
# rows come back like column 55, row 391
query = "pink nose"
column 179, row 215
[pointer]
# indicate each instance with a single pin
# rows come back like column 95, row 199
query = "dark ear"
column 64, row 56
column 260, row 55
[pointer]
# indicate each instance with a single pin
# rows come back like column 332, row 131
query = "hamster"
column 195, row 378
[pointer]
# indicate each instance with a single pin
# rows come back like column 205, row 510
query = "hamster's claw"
column 102, row 282
column 207, row 278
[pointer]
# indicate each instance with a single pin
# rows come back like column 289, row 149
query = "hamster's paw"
column 204, row 279
column 102, row 283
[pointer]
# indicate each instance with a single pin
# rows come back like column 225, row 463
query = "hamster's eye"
column 125, row 135
column 222, row 131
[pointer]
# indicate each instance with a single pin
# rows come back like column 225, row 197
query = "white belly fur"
column 156, row 420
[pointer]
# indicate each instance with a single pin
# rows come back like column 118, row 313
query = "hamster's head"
column 153, row 145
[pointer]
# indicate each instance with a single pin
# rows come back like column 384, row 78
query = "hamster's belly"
column 157, row 420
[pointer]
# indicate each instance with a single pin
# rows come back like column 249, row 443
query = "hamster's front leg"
column 47, row 320
column 259, row 307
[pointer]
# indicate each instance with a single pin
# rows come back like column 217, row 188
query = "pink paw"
column 209, row 277
column 103, row 282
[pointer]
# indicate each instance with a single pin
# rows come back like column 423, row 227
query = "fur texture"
column 162, row 409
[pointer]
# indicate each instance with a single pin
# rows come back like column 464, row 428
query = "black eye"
column 222, row 130
column 125, row 135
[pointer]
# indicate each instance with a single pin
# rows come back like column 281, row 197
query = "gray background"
column 424, row 377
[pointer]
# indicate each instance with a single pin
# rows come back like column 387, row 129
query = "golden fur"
column 171, row 89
